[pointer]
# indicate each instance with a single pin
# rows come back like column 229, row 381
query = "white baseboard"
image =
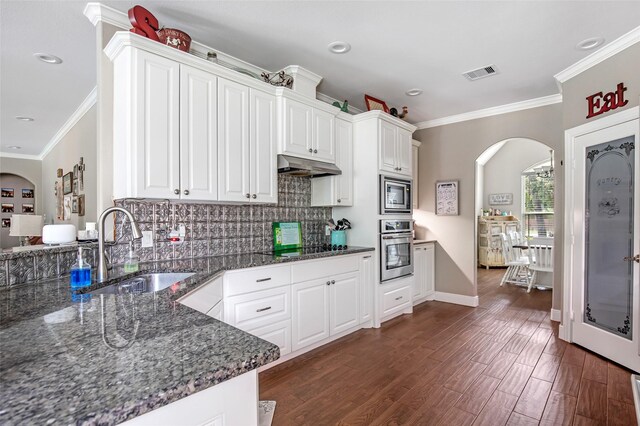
column 556, row 315
column 562, row 333
column 457, row 299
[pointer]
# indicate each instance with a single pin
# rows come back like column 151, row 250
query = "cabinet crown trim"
column 370, row 115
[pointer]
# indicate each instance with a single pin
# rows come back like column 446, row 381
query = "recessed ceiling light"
column 50, row 59
column 339, row 47
column 413, row 92
column 23, row 118
column 14, row 147
column 590, row 43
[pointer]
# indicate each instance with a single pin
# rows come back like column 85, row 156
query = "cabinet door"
column 430, row 270
column 309, row 312
column 419, row 272
column 198, row 135
column 263, row 172
column 233, row 141
column 367, row 286
column 157, row 130
column 403, row 154
column 344, row 161
column 345, row 292
column 387, row 147
column 415, row 176
column 324, row 143
column 297, row 127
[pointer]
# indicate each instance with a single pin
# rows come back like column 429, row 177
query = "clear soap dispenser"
column 80, row 272
column 132, row 263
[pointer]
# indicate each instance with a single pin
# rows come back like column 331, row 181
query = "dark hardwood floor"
column 500, row 363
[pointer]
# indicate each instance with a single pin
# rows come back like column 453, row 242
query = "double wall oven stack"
column 396, row 233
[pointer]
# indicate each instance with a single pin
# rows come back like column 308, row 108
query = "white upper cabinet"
column 306, row 131
column 337, row 190
column 198, row 135
column 146, row 126
column 246, row 144
column 394, row 149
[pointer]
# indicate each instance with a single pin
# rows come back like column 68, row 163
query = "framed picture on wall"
column 27, row 193
column 67, row 207
column 27, row 208
column 67, row 183
column 501, row 199
column 74, row 204
column 7, row 192
column 6, row 222
column 374, row 104
column 7, row 207
column 81, row 205
column 75, row 186
column 447, row 198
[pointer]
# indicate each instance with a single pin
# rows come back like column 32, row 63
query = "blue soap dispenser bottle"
column 80, row 272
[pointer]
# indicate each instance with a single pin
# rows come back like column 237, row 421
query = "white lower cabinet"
column 367, row 285
column 278, row 333
column 396, row 297
column 253, row 310
column 424, row 272
column 324, row 307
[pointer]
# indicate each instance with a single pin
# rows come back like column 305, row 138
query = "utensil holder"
column 339, row 238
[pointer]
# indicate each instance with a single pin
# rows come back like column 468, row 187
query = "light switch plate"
column 147, row 239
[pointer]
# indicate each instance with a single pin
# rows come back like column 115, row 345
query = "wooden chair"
column 517, row 266
column 540, row 260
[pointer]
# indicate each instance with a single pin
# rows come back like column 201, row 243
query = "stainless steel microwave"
column 395, row 195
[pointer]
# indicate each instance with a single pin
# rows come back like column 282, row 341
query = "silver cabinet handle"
column 263, row 309
column 635, row 258
column 400, row 169
column 315, row 151
column 261, row 280
column 399, row 297
column 310, row 150
column 254, row 196
column 333, row 281
column 366, row 257
column 176, row 191
column 247, row 195
column 339, row 200
column 328, row 282
column 186, row 192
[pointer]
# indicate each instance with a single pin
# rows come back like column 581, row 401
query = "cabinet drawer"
column 396, row 297
column 256, row 279
column 327, row 267
column 253, row 310
column 278, row 334
column 205, row 297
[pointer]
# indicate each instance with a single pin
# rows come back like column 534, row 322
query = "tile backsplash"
column 214, row 229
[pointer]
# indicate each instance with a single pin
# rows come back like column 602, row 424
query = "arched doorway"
column 17, row 197
column 514, row 184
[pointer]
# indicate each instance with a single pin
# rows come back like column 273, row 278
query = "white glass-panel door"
column 605, row 290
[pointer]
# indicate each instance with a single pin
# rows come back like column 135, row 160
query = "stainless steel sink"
column 146, row 283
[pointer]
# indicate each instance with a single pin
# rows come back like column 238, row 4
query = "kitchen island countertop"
column 104, row 359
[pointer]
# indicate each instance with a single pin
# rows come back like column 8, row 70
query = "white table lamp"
column 26, row 225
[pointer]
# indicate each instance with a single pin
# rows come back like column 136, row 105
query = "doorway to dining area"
column 514, row 201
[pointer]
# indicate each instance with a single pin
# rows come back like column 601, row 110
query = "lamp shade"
column 26, row 225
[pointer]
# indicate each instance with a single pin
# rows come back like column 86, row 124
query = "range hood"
column 304, row 167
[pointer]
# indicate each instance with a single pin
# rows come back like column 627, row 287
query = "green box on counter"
column 287, row 236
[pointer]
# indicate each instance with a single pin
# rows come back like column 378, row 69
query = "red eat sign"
column 599, row 104
column 143, row 22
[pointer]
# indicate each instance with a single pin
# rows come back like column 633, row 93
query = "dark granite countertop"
column 102, row 359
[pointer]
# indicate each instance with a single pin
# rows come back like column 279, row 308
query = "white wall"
column 80, row 141
column 502, row 173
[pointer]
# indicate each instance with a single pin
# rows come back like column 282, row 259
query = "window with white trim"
column 537, row 200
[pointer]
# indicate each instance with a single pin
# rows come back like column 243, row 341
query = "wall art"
column 447, row 198
column 7, row 192
column 27, row 193
column 81, row 205
column 28, row 209
column 67, row 207
column 67, row 183
column 374, row 104
column 505, row 198
column 6, row 222
column 7, row 207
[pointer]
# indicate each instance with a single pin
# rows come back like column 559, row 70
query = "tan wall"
column 80, row 141
column 450, row 152
column 604, row 77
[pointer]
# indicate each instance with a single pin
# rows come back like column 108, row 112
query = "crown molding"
column 381, row 115
column 19, row 156
column 98, row 12
column 488, row 112
column 88, row 102
column 328, row 99
column 600, row 55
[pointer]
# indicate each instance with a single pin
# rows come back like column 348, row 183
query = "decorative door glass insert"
column 608, row 295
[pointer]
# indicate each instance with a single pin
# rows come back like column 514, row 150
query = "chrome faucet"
column 102, row 260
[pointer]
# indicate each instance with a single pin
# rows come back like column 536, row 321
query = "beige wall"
column 604, row 77
column 30, row 170
column 80, row 141
column 450, row 152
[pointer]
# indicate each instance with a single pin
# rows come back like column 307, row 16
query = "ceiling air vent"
column 481, row 72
